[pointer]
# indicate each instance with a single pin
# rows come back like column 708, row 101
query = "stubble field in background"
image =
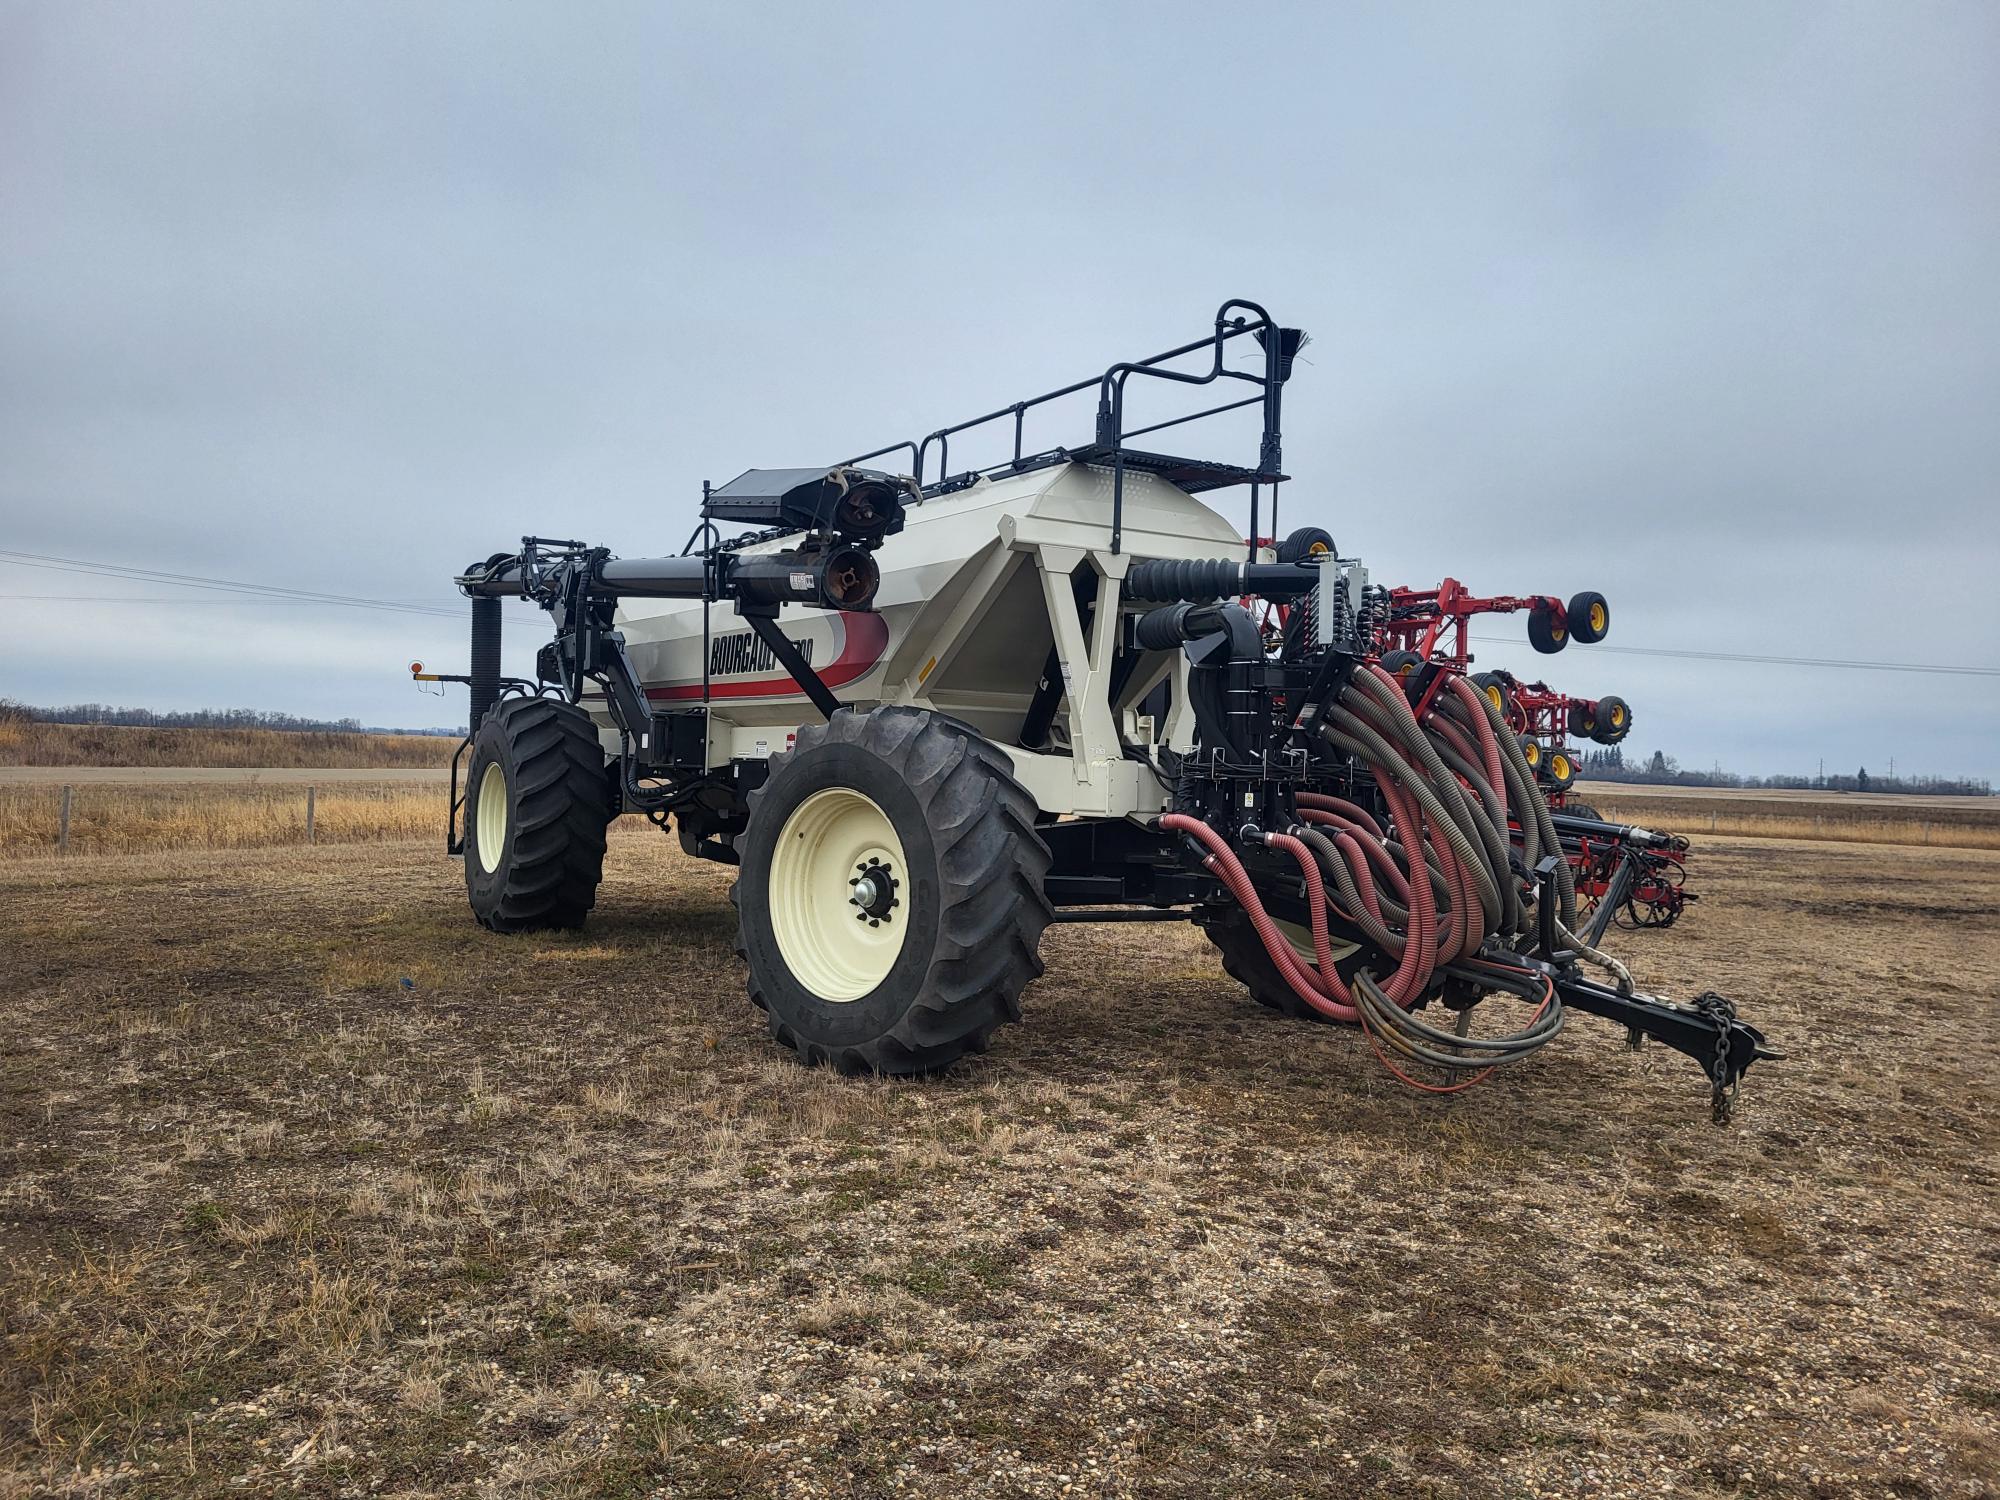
column 314, row 1187
column 158, row 808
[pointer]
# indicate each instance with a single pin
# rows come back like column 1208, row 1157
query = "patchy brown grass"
column 110, row 818
column 30, row 742
column 554, row 1218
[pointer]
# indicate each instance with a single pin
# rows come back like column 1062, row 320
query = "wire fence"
column 116, row 818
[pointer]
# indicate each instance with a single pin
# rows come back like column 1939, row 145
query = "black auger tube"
column 1225, row 651
column 1172, row 626
column 1219, row 578
column 836, row 578
column 485, row 673
column 653, row 577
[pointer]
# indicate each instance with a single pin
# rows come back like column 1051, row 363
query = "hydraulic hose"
column 1428, row 881
column 1221, row 861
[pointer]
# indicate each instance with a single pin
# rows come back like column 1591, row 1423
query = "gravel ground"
column 312, row 1187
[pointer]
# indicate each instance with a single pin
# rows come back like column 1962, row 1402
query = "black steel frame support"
column 1124, row 914
column 1607, row 904
column 793, row 661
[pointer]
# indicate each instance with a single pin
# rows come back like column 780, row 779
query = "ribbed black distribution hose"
column 1451, row 784
column 1358, row 739
column 1470, row 818
column 1470, row 815
column 1533, row 804
column 1334, row 863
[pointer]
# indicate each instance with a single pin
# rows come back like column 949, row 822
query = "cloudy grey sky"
column 1698, row 305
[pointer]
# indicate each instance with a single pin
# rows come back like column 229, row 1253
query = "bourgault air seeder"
column 926, row 716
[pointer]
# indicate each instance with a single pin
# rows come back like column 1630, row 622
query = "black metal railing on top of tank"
column 1234, row 319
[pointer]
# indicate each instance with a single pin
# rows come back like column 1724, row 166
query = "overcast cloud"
column 1697, row 305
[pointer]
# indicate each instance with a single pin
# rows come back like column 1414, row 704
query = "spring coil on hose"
column 1308, row 613
column 1371, row 619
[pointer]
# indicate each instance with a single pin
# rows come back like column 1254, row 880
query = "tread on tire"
column 546, row 872
column 971, row 894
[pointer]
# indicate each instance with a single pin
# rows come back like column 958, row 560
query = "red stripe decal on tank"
column 864, row 638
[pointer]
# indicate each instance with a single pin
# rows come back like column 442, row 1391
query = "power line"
column 276, row 593
column 1776, row 661
column 51, row 563
column 180, row 602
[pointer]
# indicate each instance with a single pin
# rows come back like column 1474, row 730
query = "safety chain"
column 1722, row 1088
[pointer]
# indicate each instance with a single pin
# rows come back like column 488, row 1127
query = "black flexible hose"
column 485, row 668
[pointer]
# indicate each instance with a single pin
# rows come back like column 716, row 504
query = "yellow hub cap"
column 1617, row 718
column 490, row 834
column 839, row 894
column 1599, row 617
column 1495, row 697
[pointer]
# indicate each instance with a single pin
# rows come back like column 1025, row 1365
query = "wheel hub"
column 873, row 892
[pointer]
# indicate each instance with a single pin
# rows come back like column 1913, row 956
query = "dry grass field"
column 126, row 809
column 311, row 1187
column 30, row 742
column 1934, row 822
column 123, row 817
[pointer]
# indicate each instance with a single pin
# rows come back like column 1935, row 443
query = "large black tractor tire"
column 1305, row 544
column 1612, row 720
column 1402, row 665
column 537, row 804
column 1583, row 810
column 1548, row 629
column 1245, row 961
column 890, row 903
column 1588, row 617
column 1494, row 686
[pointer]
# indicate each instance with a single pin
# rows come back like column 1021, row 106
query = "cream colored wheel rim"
column 1301, row 939
column 839, row 894
column 490, row 837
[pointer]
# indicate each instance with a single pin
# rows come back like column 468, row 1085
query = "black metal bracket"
column 792, row 660
column 1545, row 906
column 1336, row 670
column 1614, row 893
